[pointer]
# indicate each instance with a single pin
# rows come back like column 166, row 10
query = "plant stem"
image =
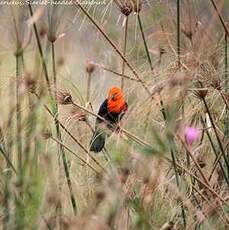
column 226, row 121
column 115, row 48
column 88, row 88
column 178, row 32
column 40, row 49
column 220, row 17
column 69, row 133
column 145, row 43
column 71, row 151
column 216, row 134
column 60, row 147
column 215, row 151
column 18, row 115
column 177, row 177
column 124, row 50
column 117, row 73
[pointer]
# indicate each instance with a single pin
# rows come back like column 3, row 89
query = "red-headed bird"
column 112, row 110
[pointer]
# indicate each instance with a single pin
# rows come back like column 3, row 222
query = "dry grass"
column 57, row 64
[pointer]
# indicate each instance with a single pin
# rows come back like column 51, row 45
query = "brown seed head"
column 90, row 67
column 64, row 98
column 43, row 31
column 46, row 134
column 78, row 114
column 29, row 83
column 127, row 8
column 188, row 33
column 51, row 38
column 216, row 84
column 201, row 93
column 100, row 195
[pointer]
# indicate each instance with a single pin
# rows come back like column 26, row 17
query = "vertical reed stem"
column 60, row 147
column 145, row 43
column 18, row 114
column 216, row 134
column 215, row 151
column 40, row 50
column 88, row 88
column 178, row 32
column 124, row 51
column 226, row 121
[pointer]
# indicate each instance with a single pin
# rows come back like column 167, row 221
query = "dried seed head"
column 29, row 83
column 78, row 114
column 100, row 195
column 124, row 173
column 43, row 31
column 201, row 93
column 46, row 134
column 90, row 67
column 206, row 72
column 64, row 98
column 51, row 38
column 146, row 180
column 216, row 84
column 187, row 33
column 137, row 6
column 127, row 8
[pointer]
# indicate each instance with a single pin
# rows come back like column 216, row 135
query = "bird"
column 112, row 111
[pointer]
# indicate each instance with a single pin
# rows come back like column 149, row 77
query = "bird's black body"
column 98, row 139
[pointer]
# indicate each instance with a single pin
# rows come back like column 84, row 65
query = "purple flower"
column 191, row 134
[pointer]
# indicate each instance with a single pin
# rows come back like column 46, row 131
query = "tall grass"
column 151, row 175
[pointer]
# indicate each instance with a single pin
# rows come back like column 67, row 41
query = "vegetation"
column 167, row 167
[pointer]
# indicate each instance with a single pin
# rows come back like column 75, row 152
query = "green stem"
column 60, row 147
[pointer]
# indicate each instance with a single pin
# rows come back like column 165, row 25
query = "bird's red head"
column 115, row 101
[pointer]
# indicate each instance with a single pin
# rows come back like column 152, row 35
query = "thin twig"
column 77, row 4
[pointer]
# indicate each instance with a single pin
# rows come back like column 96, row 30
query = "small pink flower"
column 191, row 134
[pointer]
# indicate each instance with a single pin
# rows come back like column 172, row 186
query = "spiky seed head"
column 201, row 93
column 127, row 8
column 216, row 84
column 78, row 114
column 64, row 98
column 29, row 83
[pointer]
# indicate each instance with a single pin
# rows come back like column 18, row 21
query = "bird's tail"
column 98, row 141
